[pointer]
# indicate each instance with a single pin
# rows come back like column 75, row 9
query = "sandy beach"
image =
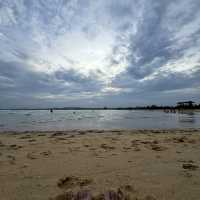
column 138, row 164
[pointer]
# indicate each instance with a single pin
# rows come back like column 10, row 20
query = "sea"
column 60, row 120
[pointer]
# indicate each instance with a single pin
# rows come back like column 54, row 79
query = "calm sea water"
column 96, row 119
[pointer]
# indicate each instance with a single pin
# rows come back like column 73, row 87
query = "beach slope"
column 138, row 164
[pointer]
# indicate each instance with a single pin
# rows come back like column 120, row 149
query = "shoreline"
column 136, row 164
column 77, row 131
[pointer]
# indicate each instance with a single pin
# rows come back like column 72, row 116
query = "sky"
column 87, row 53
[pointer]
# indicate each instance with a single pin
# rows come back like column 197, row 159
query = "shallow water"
column 43, row 120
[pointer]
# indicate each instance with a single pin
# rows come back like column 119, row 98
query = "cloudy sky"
column 99, row 53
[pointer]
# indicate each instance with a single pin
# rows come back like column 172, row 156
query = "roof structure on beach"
column 185, row 103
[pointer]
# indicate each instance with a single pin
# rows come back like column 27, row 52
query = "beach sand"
column 138, row 164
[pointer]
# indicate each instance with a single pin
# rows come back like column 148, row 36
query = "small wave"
column 145, row 117
column 27, row 114
column 128, row 117
column 42, row 122
column 89, row 117
column 11, row 113
column 23, row 122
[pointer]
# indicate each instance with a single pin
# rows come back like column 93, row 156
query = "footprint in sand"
column 107, row 147
column 25, row 137
column 129, row 188
column 32, row 140
column 87, row 195
column 137, row 149
column 46, row 153
column 1, row 144
column 41, row 134
column 186, row 174
column 60, row 139
column 31, row 156
column 185, row 161
column 109, row 194
column 182, row 139
column 15, row 147
column 82, row 132
column 58, row 134
column 80, row 195
column 86, row 145
column 11, row 159
column 149, row 197
column 126, row 148
column 156, row 147
column 72, row 181
column 190, row 166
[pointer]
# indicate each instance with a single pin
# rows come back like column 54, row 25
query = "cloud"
column 108, row 52
column 156, row 41
column 17, row 79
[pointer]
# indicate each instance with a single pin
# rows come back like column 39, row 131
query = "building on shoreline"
column 185, row 104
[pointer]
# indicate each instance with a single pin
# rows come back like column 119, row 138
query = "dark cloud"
column 119, row 9
column 25, row 81
column 162, row 84
column 83, row 83
column 173, row 81
column 154, row 42
column 149, row 46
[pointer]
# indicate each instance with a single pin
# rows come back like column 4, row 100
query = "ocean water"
column 59, row 120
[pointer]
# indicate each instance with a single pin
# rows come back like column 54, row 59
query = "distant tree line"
column 180, row 105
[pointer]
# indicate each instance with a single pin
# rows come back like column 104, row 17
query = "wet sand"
column 142, row 165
